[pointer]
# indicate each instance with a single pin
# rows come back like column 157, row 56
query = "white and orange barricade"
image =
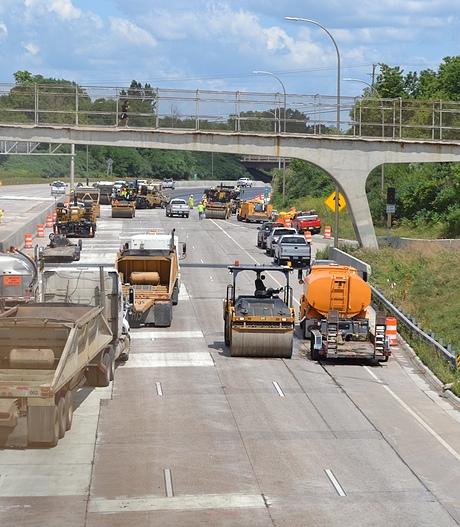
column 40, row 230
column 327, row 232
column 49, row 222
column 308, row 236
column 54, row 216
column 392, row 331
column 28, row 241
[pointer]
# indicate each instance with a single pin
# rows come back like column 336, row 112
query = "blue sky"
column 206, row 44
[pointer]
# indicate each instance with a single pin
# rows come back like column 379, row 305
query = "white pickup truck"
column 292, row 248
column 178, row 207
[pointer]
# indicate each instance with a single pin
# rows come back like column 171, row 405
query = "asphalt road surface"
column 188, row 436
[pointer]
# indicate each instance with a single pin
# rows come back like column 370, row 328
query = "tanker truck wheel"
column 313, row 352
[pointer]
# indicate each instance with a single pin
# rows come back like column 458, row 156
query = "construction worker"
column 191, row 201
column 200, row 210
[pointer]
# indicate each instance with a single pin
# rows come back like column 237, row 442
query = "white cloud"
column 32, row 48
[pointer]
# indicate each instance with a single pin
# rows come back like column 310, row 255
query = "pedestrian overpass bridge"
column 373, row 132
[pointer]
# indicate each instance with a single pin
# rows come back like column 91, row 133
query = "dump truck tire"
column 62, row 417
column 175, row 295
column 68, row 398
column 103, row 377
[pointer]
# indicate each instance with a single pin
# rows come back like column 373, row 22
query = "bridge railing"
column 204, row 110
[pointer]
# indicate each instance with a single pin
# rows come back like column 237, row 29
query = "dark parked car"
column 264, row 230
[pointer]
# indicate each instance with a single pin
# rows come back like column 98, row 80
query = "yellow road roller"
column 259, row 323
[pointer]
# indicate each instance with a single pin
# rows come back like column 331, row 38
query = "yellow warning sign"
column 341, row 203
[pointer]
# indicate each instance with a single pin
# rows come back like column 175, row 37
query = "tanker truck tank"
column 335, row 315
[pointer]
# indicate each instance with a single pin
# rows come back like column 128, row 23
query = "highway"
column 188, row 436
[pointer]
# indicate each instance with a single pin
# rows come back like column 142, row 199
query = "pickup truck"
column 292, row 248
column 272, row 238
column 264, row 230
column 307, row 221
column 168, row 183
column 244, row 182
column 178, row 207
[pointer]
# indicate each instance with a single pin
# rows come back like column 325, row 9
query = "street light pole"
column 296, row 19
column 284, row 92
column 284, row 127
column 383, row 124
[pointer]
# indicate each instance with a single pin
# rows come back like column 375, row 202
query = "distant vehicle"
column 264, row 230
column 118, row 185
column 178, row 207
column 307, row 221
column 292, row 248
column 272, row 238
column 244, row 182
column 58, row 188
column 168, row 183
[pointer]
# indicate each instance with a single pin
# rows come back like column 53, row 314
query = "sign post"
column 336, row 202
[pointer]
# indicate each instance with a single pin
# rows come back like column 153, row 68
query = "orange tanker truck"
column 335, row 315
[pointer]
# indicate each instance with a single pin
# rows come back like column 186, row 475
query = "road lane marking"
column 165, row 360
column 419, row 420
column 278, row 389
column 334, row 482
column 152, row 335
column 168, row 483
column 189, row 502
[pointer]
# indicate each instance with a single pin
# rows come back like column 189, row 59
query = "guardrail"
column 205, row 110
column 411, row 325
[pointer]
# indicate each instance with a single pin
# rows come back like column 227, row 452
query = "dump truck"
column 219, row 202
column 59, row 250
column 254, row 210
column 84, row 193
column 77, row 220
column 19, row 282
column 335, row 315
column 259, row 323
column 50, row 348
column 149, row 269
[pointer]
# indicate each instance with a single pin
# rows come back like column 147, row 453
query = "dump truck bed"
column 44, row 347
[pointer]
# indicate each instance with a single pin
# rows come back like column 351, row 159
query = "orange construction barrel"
column 392, row 331
column 28, row 242
column 327, row 232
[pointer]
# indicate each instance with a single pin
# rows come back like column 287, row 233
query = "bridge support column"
column 353, row 186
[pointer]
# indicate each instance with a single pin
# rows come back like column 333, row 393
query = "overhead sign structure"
column 331, row 202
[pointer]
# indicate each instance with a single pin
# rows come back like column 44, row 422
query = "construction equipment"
column 124, row 201
column 84, row 193
column 105, row 189
column 18, row 278
column 48, row 349
column 261, row 323
column 254, row 210
column 151, row 197
column 335, row 315
column 149, row 269
column 59, row 250
column 219, row 202
column 77, row 220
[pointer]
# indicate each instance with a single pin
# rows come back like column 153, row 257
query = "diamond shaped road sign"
column 331, row 202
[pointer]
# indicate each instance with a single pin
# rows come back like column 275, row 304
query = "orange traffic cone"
column 308, row 237
column 28, row 242
column 327, row 232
